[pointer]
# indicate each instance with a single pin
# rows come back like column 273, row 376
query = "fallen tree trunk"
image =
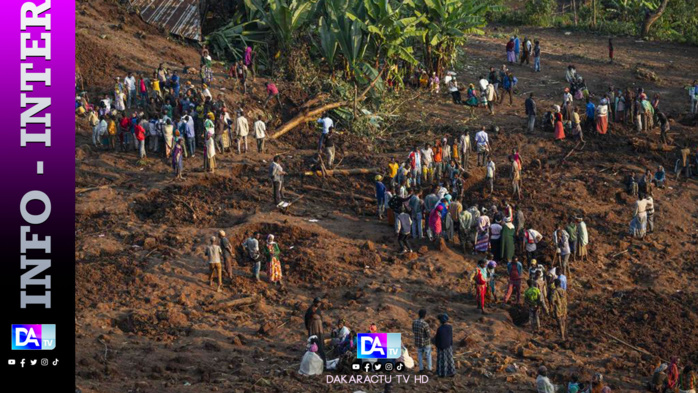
column 234, row 303
column 341, row 194
column 645, row 145
column 360, row 171
column 309, row 114
column 88, row 189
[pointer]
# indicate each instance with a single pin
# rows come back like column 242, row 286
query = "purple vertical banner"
column 37, row 212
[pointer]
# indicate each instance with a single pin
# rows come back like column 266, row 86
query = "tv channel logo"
column 379, row 346
column 33, row 337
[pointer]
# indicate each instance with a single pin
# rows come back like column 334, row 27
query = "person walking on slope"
column 213, row 253
column 515, row 272
column 559, row 308
column 531, row 112
column 533, row 297
column 481, row 284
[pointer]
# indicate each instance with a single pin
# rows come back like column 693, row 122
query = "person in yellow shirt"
column 392, row 172
column 155, row 84
column 111, row 131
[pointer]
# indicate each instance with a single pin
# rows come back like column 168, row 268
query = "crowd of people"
column 167, row 117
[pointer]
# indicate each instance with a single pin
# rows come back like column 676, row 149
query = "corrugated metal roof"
column 180, row 17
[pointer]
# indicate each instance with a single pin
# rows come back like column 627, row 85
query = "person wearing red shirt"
column 481, row 285
column 139, row 131
column 272, row 91
column 124, row 133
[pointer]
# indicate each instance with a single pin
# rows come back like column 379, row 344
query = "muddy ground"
column 147, row 321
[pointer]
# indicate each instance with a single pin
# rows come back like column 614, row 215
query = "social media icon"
column 366, row 366
column 44, row 362
column 388, row 367
column 55, row 362
column 22, row 363
column 399, row 366
column 356, row 366
column 11, row 362
column 377, row 367
column 33, row 362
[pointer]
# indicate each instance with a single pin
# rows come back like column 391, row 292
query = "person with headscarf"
column 177, row 165
column 482, row 239
column 559, row 129
column 515, row 272
column 435, row 222
column 471, row 96
column 602, row 117
column 506, row 248
column 659, row 379
column 445, row 365
column 209, row 144
column 272, row 253
column 312, row 363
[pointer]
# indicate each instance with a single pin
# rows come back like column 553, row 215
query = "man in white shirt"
column 130, row 84
column 326, row 124
column 483, row 84
column 531, row 239
column 491, row 169
column 482, row 142
column 543, row 384
column 98, row 131
column 464, row 146
column 428, row 161
column 260, row 133
column 242, row 129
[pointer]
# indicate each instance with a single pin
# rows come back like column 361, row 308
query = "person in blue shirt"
column 175, row 83
column 660, row 177
column 563, row 281
column 517, row 47
column 380, row 196
column 591, row 111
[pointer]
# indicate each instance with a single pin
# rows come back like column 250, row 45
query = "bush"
column 540, row 12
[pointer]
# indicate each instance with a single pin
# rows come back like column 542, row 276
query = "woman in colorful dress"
column 482, row 241
column 272, row 252
column 177, row 154
column 559, row 129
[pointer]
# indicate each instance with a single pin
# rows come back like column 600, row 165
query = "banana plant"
column 283, row 17
column 230, row 40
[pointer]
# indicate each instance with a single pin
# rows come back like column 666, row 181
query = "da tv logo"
column 33, row 337
column 379, row 346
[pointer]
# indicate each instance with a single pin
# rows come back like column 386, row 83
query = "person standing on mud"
column 480, row 279
column 559, row 306
column 177, row 165
column 562, row 245
column 403, row 227
column 482, row 143
column 610, row 50
column 531, row 112
column 326, row 122
column 242, row 129
column 515, row 272
column 213, row 253
column 533, row 297
column 464, row 148
column 260, row 135
column 422, row 340
column 276, row 173
column 515, row 177
column 536, row 57
column 251, row 247
column 315, row 328
column 227, row 254
column 582, row 239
